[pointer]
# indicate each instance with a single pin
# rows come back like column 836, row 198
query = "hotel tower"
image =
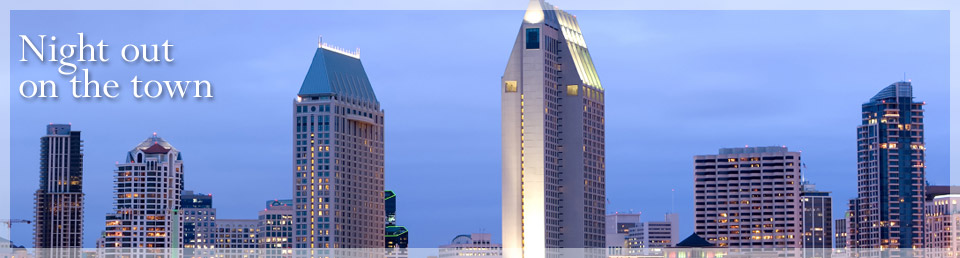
column 888, row 211
column 337, row 156
column 147, row 187
column 58, row 212
column 552, row 138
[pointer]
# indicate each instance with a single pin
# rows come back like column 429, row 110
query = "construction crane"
column 10, row 222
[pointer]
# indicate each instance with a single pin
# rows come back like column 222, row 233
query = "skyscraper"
column 58, row 204
column 553, row 139
column 748, row 197
column 146, row 213
column 817, row 220
column 337, row 155
column 396, row 238
column 890, row 171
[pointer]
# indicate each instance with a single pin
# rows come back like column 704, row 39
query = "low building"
column 941, row 236
column 472, row 245
column 617, row 229
column 237, row 238
column 652, row 236
column 275, row 223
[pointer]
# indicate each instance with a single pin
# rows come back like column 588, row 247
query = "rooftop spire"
column 534, row 12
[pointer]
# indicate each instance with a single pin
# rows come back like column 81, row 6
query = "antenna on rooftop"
column 673, row 193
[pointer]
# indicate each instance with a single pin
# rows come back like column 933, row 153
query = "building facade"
column 651, row 237
column 275, row 224
column 237, row 238
column 553, row 139
column 890, row 172
column 199, row 220
column 840, row 234
column 817, row 220
column 472, row 245
column 338, row 161
column 146, row 216
column 618, row 226
column 58, row 203
column 749, row 197
column 941, row 236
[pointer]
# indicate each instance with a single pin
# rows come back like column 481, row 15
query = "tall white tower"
column 552, row 138
column 146, row 215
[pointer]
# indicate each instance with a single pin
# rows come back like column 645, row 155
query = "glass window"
column 533, row 38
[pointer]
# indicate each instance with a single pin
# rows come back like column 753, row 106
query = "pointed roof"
column 156, row 149
column 338, row 72
column 694, row 241
column 896, row 90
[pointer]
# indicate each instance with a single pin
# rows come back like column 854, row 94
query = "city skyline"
column 617, row 199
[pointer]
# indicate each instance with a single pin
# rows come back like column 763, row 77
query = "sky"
column 678, row 84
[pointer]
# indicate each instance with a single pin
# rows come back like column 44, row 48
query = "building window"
column 510, row 86
column 572, row 90
column 533, row 38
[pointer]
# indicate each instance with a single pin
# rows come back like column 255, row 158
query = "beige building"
column 553, row 139
column 749, row 197
column 941, row 236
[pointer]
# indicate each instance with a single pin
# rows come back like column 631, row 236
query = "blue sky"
column 679, row 83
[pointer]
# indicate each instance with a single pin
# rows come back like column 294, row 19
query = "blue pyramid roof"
column 339, row 73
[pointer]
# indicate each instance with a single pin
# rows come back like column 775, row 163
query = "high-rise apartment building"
column 338, row 157
column 146, row 216
column 817, row 220
column 941, row 236
column 58, row 203
column 890, row 172
column 650, row 236
column 553, row 139
column 749, row 197
column 472, row 245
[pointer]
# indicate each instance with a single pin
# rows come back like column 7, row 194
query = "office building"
column 199, row 220
column 552, row 139
column 618, row 226
column 237, row 238
column 472, row 245
column 817, row 220
column 275, row 224
column 941, row 236
column 749, row 197
column 146, row 216
column 840, row 234
column 338, row 155
column 650, row 237
column 58, row 203
column 890, row 172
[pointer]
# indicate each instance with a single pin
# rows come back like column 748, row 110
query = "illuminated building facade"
column 840, row 234
column 237, row 238
column 146, row 215
column 817, row 229
column 58, row 203
column 749, row 197
column 275, row 224
column 199, row 220
column 472, row 245
column 618, row 226
column 652, row 236
column 890, row 172
column 941, row 236
column 553, row 140
column 338, row 158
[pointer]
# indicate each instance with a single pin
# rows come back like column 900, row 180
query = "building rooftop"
column 334, row 71
column 901, row 89
column 694, row 241
column 747, row 150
